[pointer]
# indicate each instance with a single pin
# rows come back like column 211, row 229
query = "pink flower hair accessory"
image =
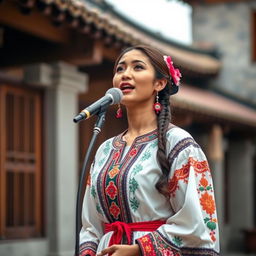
column 174, row 72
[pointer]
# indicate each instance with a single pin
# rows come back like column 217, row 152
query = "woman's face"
column 135, row 76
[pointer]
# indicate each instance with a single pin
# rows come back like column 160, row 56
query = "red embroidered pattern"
column 146, row 246
column 87, row 252
column 111, row 190
column 183, row 173
column 88, row 249
column 114, row 210
column 200, row 167
column 154, row 244
column 116, row 155
column 88, row 181
column 133, row 152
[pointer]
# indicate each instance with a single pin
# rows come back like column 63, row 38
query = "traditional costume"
column 123, row 206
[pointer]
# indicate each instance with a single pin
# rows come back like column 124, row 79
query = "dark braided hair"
column 164, row 118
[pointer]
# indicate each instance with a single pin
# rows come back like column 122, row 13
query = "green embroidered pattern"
column 134, row 203
column 146, row 156
column 133, row 185
column 93, row 191
column 177, row 241
column 105, row 152
column 98, row 208
column 137, row 169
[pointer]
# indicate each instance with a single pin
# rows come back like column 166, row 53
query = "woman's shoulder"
column 104, row 147
column 108, row 144
column 178, row 137
column 177, row 133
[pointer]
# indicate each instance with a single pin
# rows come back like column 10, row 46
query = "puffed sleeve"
column 91, row 231
column 193, row 228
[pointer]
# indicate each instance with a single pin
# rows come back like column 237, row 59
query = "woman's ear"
column 160, row 84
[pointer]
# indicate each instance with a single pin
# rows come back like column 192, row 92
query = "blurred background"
column 57, row 56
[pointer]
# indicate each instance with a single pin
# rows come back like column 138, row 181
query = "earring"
column 119, row 112
column 157, row 106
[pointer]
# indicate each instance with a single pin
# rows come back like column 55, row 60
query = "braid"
column 164, row 119
column 162, row 70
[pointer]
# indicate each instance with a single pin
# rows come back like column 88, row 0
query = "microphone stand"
column 97, row 129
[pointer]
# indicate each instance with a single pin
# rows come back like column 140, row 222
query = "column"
column 62, row 84
column 241, row 190
column 215, row 154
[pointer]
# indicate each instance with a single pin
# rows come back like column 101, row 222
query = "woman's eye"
column 118, row 69
column 139, row 67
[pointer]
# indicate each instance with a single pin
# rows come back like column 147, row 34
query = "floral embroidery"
column 134, row 203
column 177, row 241
column 133, row 152
column 146, row 156
column 116, row 155
column 114, row 210
column 155, row 244
column 87, row 252
column 146, row 246
column 183, row 173
column 137, row 169
column 93, row 191
column 107, row 148
column 88, row 248
column 98, row 208
column 207, row 203
column 114, row 172
column 200, row 167
column 111, row 190
column 105, row 152
column 133, row 186
column 205, row 189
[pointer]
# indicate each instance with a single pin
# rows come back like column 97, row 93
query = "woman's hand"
column 121, row 250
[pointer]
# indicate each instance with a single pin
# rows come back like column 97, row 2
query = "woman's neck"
column 140, row 121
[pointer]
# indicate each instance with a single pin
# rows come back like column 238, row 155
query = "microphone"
column 112, row 96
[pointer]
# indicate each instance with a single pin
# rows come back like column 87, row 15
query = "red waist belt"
column 121, row 228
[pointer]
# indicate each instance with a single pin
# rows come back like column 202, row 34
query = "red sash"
column 121, row 228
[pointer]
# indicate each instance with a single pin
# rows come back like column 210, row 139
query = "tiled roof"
column 116, row 31
column 214, row 105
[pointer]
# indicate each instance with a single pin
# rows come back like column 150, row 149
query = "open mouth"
column 126, row 87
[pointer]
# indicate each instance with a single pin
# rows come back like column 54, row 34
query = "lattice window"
column 20, row 163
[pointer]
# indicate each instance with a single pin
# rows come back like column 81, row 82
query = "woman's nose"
column 126, row 74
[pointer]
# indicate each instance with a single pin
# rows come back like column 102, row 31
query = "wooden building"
column 231, row 27
column 56, row 57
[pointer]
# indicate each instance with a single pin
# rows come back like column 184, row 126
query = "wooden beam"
column 82, row 52
column 34, row 23
column 85, row 52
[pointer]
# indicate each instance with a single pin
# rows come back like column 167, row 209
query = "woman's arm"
column 193, row 229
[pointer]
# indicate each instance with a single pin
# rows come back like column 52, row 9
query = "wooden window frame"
column 26, row 216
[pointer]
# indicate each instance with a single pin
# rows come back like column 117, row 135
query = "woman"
column 150, row 190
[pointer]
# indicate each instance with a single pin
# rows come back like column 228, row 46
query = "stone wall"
column 228, row 27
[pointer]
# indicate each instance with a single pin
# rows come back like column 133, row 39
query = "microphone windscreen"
column 116, row 93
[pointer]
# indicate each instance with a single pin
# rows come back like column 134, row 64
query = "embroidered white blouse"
column 121, row 187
